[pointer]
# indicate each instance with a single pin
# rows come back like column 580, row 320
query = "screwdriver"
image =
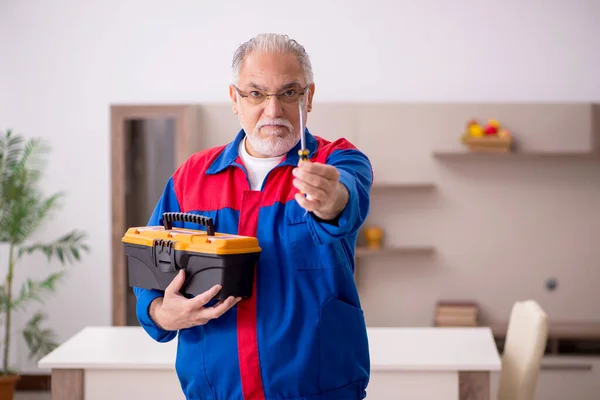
column 303, row 152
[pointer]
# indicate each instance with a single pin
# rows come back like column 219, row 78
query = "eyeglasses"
column 256, row 97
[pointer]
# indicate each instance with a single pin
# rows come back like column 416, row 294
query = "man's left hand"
column 326, row 197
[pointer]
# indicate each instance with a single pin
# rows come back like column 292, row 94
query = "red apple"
column 490, row 130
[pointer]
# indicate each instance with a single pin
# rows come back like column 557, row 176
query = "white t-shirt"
column 257, row 167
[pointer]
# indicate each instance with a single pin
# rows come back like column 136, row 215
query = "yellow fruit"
column 476, row 131
column 494, row 123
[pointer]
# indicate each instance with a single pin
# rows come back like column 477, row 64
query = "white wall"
column 64, row 62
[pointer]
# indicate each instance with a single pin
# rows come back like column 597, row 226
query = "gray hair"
column 271, row 42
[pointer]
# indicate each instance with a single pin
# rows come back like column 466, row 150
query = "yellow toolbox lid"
column 191, row 240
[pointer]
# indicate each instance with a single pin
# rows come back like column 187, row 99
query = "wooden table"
column 432, row 363
column 113, row 363
column 406, row 363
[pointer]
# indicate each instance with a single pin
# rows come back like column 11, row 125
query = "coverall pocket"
column 343, row 345
column 305, row 252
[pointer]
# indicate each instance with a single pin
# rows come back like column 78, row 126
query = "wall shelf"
column 362, row 251
column 467, row 155
column 386, row 186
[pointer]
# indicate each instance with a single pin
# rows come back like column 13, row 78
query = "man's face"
column 272, row 124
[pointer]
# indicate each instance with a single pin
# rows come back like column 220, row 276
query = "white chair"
column 524, row 347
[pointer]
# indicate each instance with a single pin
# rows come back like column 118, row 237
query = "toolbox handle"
column 169, row 217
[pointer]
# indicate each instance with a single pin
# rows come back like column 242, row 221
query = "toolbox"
column 155, row 254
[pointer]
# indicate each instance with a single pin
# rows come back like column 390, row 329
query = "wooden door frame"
column 185, row 118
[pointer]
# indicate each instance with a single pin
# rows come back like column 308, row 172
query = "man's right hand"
column 173, row 312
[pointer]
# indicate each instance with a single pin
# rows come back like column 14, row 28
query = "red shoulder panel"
column 196, row 190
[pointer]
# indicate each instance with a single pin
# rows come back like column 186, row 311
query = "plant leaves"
column 34, row 290
column 67, row 248
column 40, row 341
column 22, row 205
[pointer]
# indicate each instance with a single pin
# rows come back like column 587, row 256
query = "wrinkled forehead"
column 271, row 72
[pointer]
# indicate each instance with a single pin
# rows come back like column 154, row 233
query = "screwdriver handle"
column 303, row 155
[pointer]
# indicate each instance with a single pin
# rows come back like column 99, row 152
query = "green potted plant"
column 23, row 209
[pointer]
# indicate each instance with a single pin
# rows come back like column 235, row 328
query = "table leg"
column 67, row 384
column 474, row 385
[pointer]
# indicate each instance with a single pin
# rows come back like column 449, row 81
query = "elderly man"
column 302, row 333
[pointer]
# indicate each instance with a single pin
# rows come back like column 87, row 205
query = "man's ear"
column 311, row 93
column 233, row 94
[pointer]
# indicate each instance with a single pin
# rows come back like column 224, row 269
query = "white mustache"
column 275, row 121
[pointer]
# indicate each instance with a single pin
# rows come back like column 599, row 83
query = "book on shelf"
column 456, row 313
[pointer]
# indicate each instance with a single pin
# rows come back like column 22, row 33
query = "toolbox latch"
column 163, row 253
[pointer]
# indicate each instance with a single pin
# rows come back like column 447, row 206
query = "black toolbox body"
column 155, row 254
